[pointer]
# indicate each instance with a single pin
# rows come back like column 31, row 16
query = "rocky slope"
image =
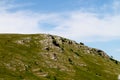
column 48, row 57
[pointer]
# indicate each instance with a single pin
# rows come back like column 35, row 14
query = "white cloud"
column 77, row 25
column 81, row 25
column 20, row 21
column 17, row 22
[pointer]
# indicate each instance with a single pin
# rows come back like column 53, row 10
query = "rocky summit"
column 48, row 57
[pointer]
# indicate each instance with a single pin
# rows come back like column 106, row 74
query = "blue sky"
column 94, row 22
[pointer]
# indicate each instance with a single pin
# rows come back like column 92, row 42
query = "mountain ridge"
column 50, row 57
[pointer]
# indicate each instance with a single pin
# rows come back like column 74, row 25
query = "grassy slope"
column 44, row 57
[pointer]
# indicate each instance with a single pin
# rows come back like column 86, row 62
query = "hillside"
column 48, row 57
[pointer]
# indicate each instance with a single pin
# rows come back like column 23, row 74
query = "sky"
column 96, row 23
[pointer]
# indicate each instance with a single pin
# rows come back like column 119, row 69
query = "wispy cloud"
column 77, row 25
column 20, row 21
